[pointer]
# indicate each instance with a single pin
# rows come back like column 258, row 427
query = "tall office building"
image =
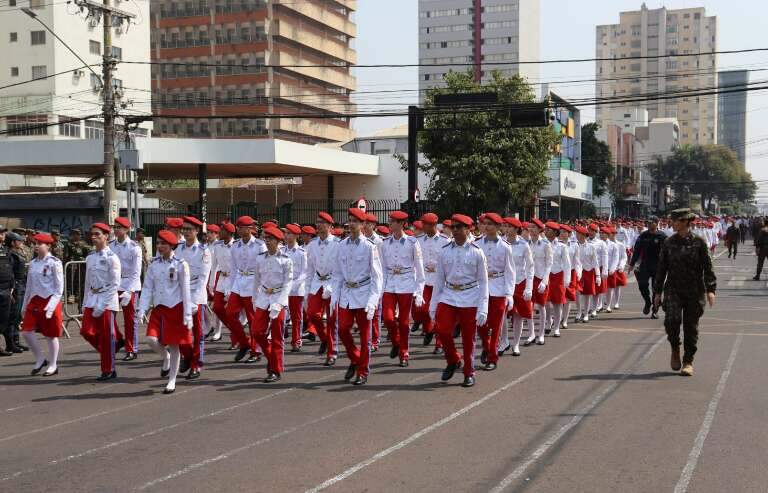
column 732, row 111
column 485, row 35
column 664, row 33
column 253, row 57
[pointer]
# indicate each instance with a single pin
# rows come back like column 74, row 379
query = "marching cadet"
column 42, row 305
column 566, row 237
column 198, row 259
column 272, row 281
column 129, row 254
column 321, row 255
column 542, row 267
column 559, row 278
column 686, row 278
column 308, row 233
column 588, row 273
column 243, row 259
column 166, row 291
column 145, row 256
column 221, row 279
column 101, row 299
column 646, row 251
column 522, row 298
column 369, row 231
column 298, row 256
column 501, row 287
column 460, row 296
column 212, row 232
column 403, row 287
column 431, row 243
column 357, row 285
column 596, row 303
column 620, row 275
column 174, row 225
column 612, row 255
column 447, row 229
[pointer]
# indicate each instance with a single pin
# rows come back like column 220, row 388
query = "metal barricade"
column 74, row 283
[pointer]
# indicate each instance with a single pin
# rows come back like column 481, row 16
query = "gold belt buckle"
column 224, row 274
column 396, row 270
column 351, row 284
column 429, row 269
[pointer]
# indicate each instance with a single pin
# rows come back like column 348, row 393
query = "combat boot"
column 674, row 361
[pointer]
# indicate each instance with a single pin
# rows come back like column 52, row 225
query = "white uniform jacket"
column 321, row 255
column 129, row 254
column 298, row 256
column 402, row 265
column 501, row 266
column 243, row 262
column 357, row 274
column 221, row 266
column 45, row 278
column 462, row 278
column 561, row 260
column 431, row 247
column 102, row 281
column 272, row 280
column 166, row 283
column 198, row 258
column 542, row 259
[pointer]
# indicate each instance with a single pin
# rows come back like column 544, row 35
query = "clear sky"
column 388, row 33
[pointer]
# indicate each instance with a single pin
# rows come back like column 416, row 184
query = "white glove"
column 305, row 303
column 542, row 288
column 481, row 318
column 510, row 302
column 142, row 317
column 188, row 323
column 49, row 313
column 527, row 295
column 327, row 292
column 370, row 311
column 226, row 297
column 274, row 310
column 598, row 281
column 432, row 314
column 418, row 301
column 194, row 309
column 125, row 298
column 97, row 312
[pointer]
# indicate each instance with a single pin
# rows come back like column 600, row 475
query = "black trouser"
column 686, row 312
column 5, row 312
column 761, row 254
column 644, row 276
column 733, row 246
column 16, row 315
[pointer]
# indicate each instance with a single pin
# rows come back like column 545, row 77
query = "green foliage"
column 596, row 159
column 482, row 165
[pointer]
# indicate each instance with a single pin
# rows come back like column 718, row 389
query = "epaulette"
column 448, row 244
column 262, row 253
column 420, row 236
column 218, row 242
column 155, row 258
column 370, row 240
column 474, row 245
column 505, row 241
column 444, row 236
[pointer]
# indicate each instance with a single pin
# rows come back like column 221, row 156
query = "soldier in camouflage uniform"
column 26, row 251
column 686, row 278
column 57, row 248
column 76, row 250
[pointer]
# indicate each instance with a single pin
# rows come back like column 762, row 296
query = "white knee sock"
column 31, row 339
column 617, row 297
column 218, row 326
column 175, row 358
column 162, row 351
column 504, row 335
column 53, row 353
column 558, row 313
column 566, row 313
column 531, row 327
column 542, row 320
column 517, row 330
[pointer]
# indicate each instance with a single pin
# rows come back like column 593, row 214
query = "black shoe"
column 360, row 380
column 164, row 373
column 309, row 336
column 437, row 350
column 502, row 351
column 231, row 347
column 655, row 314
column 489, row 366
column 130, row 356
column 107, row 376
column 330, row 361
column 403, row 363
column 254, row 358
column 428, row 338
column 37, row 369
column 375, row 348
column 194, row 374
column 449, row 371
column 168, row 391
column 394, row 351
column 468, row 382
column 22, row 347
column 456, row 331
column 350, row 372
column 241, row 354
column 210, row 333
column 184, row 365
column 415, row 328
column 323, row 348
column 547, row 331
column 296, row 349
column 16, row 349
column 756, row 278
column 647, row 308
column 484, row 357
column 272, row 377
column 3, row 352
column 119, row 345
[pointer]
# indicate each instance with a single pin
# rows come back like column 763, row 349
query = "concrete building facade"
column 623, row 72
column 732, row 112
column 253, row 57
column 477, row 36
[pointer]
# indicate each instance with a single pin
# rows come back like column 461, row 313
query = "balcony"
column 241, row 39
column 235, row 7
column 329, row 45
column 318, row 98
column 630, row 189
column 178, row 13
column 338, row 77
column 184, row 43
column 321, row 15
column 318, row 129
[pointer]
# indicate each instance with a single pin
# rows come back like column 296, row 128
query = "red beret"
column 605, row 229
column 418, row 224
column 526, row 224
column 104, row 227
column 565, row 227
column 245, row 221
column 398, row 216
column 174, row 222
column 537, row 222
column 213, row 227
column 229, row 227
column 358, row 214
column 513, row 221
column 582, row 230
column 274, row 232
column 447, row 223
column 493, row 217
column 293, row 228
column 594, row 227
column 429, row 218
column 43, row 238
column 168, row 237
column 123, row 221
column 408, row 232
column 371, row 218
column 552, row 225
column 338, row 231
column 268, row 224
column 461, row 219
column 308, row 230
column 324, row 216
column 383, row 230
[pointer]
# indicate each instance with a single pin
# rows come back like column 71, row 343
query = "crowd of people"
column 494, row 278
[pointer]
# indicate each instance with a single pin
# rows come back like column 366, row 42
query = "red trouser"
column 421, row 314
column 235, row 305
column 398, row 329
column 316, row 306
column 273, row 348
column 446, row 318
column 357, row 356
column 375, row 327
column 100, row 333
column 490, row 332
column 131, row 325
column 195, row 353
column 220, row 310
column 297, row 318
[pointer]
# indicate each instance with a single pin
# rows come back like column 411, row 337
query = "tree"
column 484, row 165
column 596, row 159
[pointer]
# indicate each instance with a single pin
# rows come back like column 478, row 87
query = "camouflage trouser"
column 686, row 312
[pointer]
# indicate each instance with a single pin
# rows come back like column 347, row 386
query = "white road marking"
column 577, row 418
column 270, row 438
column 706, row 425
column 438, row 424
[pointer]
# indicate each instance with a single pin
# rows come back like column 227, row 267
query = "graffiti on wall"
column 64, row 223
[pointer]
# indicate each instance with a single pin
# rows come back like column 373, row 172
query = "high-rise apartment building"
column 667, row 34
column 484, row 35
column 253, row 57
column 732, row 111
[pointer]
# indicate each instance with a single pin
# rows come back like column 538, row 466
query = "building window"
column 27, row 125
column 37, row 4
column 14, row 37
column 117, row 53
column 69, row 129
column 14, row 71
column 94, row 130
column 94, row 47
column 39, row 71
column 38, row 37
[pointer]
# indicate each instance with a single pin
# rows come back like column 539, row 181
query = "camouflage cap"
column 682, row 214
column 14, row 236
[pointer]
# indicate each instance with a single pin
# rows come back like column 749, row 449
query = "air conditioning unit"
column 93, row 22
column 78, row 73
column 119, row 30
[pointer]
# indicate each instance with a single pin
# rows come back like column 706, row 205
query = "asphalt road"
column 596, row 410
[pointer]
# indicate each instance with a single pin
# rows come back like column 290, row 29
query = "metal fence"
column 74, row 284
